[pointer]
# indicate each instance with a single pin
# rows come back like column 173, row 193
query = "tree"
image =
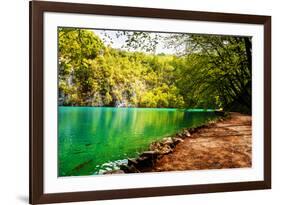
column 222, row 66
column 205, row 71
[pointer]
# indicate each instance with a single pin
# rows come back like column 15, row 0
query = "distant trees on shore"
column 209, row 71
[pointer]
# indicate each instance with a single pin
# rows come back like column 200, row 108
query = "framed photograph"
column 138, row 102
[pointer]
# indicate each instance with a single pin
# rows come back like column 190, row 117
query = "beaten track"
column 224, row 144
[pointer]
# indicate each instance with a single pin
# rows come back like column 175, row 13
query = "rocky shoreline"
column 157, row 149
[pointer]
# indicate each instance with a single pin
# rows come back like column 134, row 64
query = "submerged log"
column 82, row 165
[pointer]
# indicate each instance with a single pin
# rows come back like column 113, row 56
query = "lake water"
column 95, row 139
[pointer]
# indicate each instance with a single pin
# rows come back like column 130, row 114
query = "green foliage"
column 208, row 71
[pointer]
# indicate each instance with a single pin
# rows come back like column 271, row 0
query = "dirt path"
column 226, row 144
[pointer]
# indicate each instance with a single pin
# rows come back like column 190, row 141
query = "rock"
column 191, row 130
column 143, row 161
column 118, row 171
column 177, row 140
column 167, row 140
column 165, row 149
column 133, row 169
column 155, row 146
column 129, row 169
column 165, row 146
column 181, row 135
column 149, row 154
column 142, row 158
column 187, row 133
column 132, row 162
column 124, row 167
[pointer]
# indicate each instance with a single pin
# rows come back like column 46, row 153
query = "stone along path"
column 225, row 144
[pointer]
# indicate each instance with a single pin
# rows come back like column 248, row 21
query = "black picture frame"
column 37, row 9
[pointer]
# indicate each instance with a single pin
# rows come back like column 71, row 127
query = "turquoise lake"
column 95, row 139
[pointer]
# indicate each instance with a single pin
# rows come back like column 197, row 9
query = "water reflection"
column 92, row 137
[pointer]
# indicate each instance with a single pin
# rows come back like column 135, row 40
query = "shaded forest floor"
column 224, row 144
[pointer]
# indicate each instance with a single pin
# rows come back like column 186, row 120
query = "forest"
column 204, row 71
